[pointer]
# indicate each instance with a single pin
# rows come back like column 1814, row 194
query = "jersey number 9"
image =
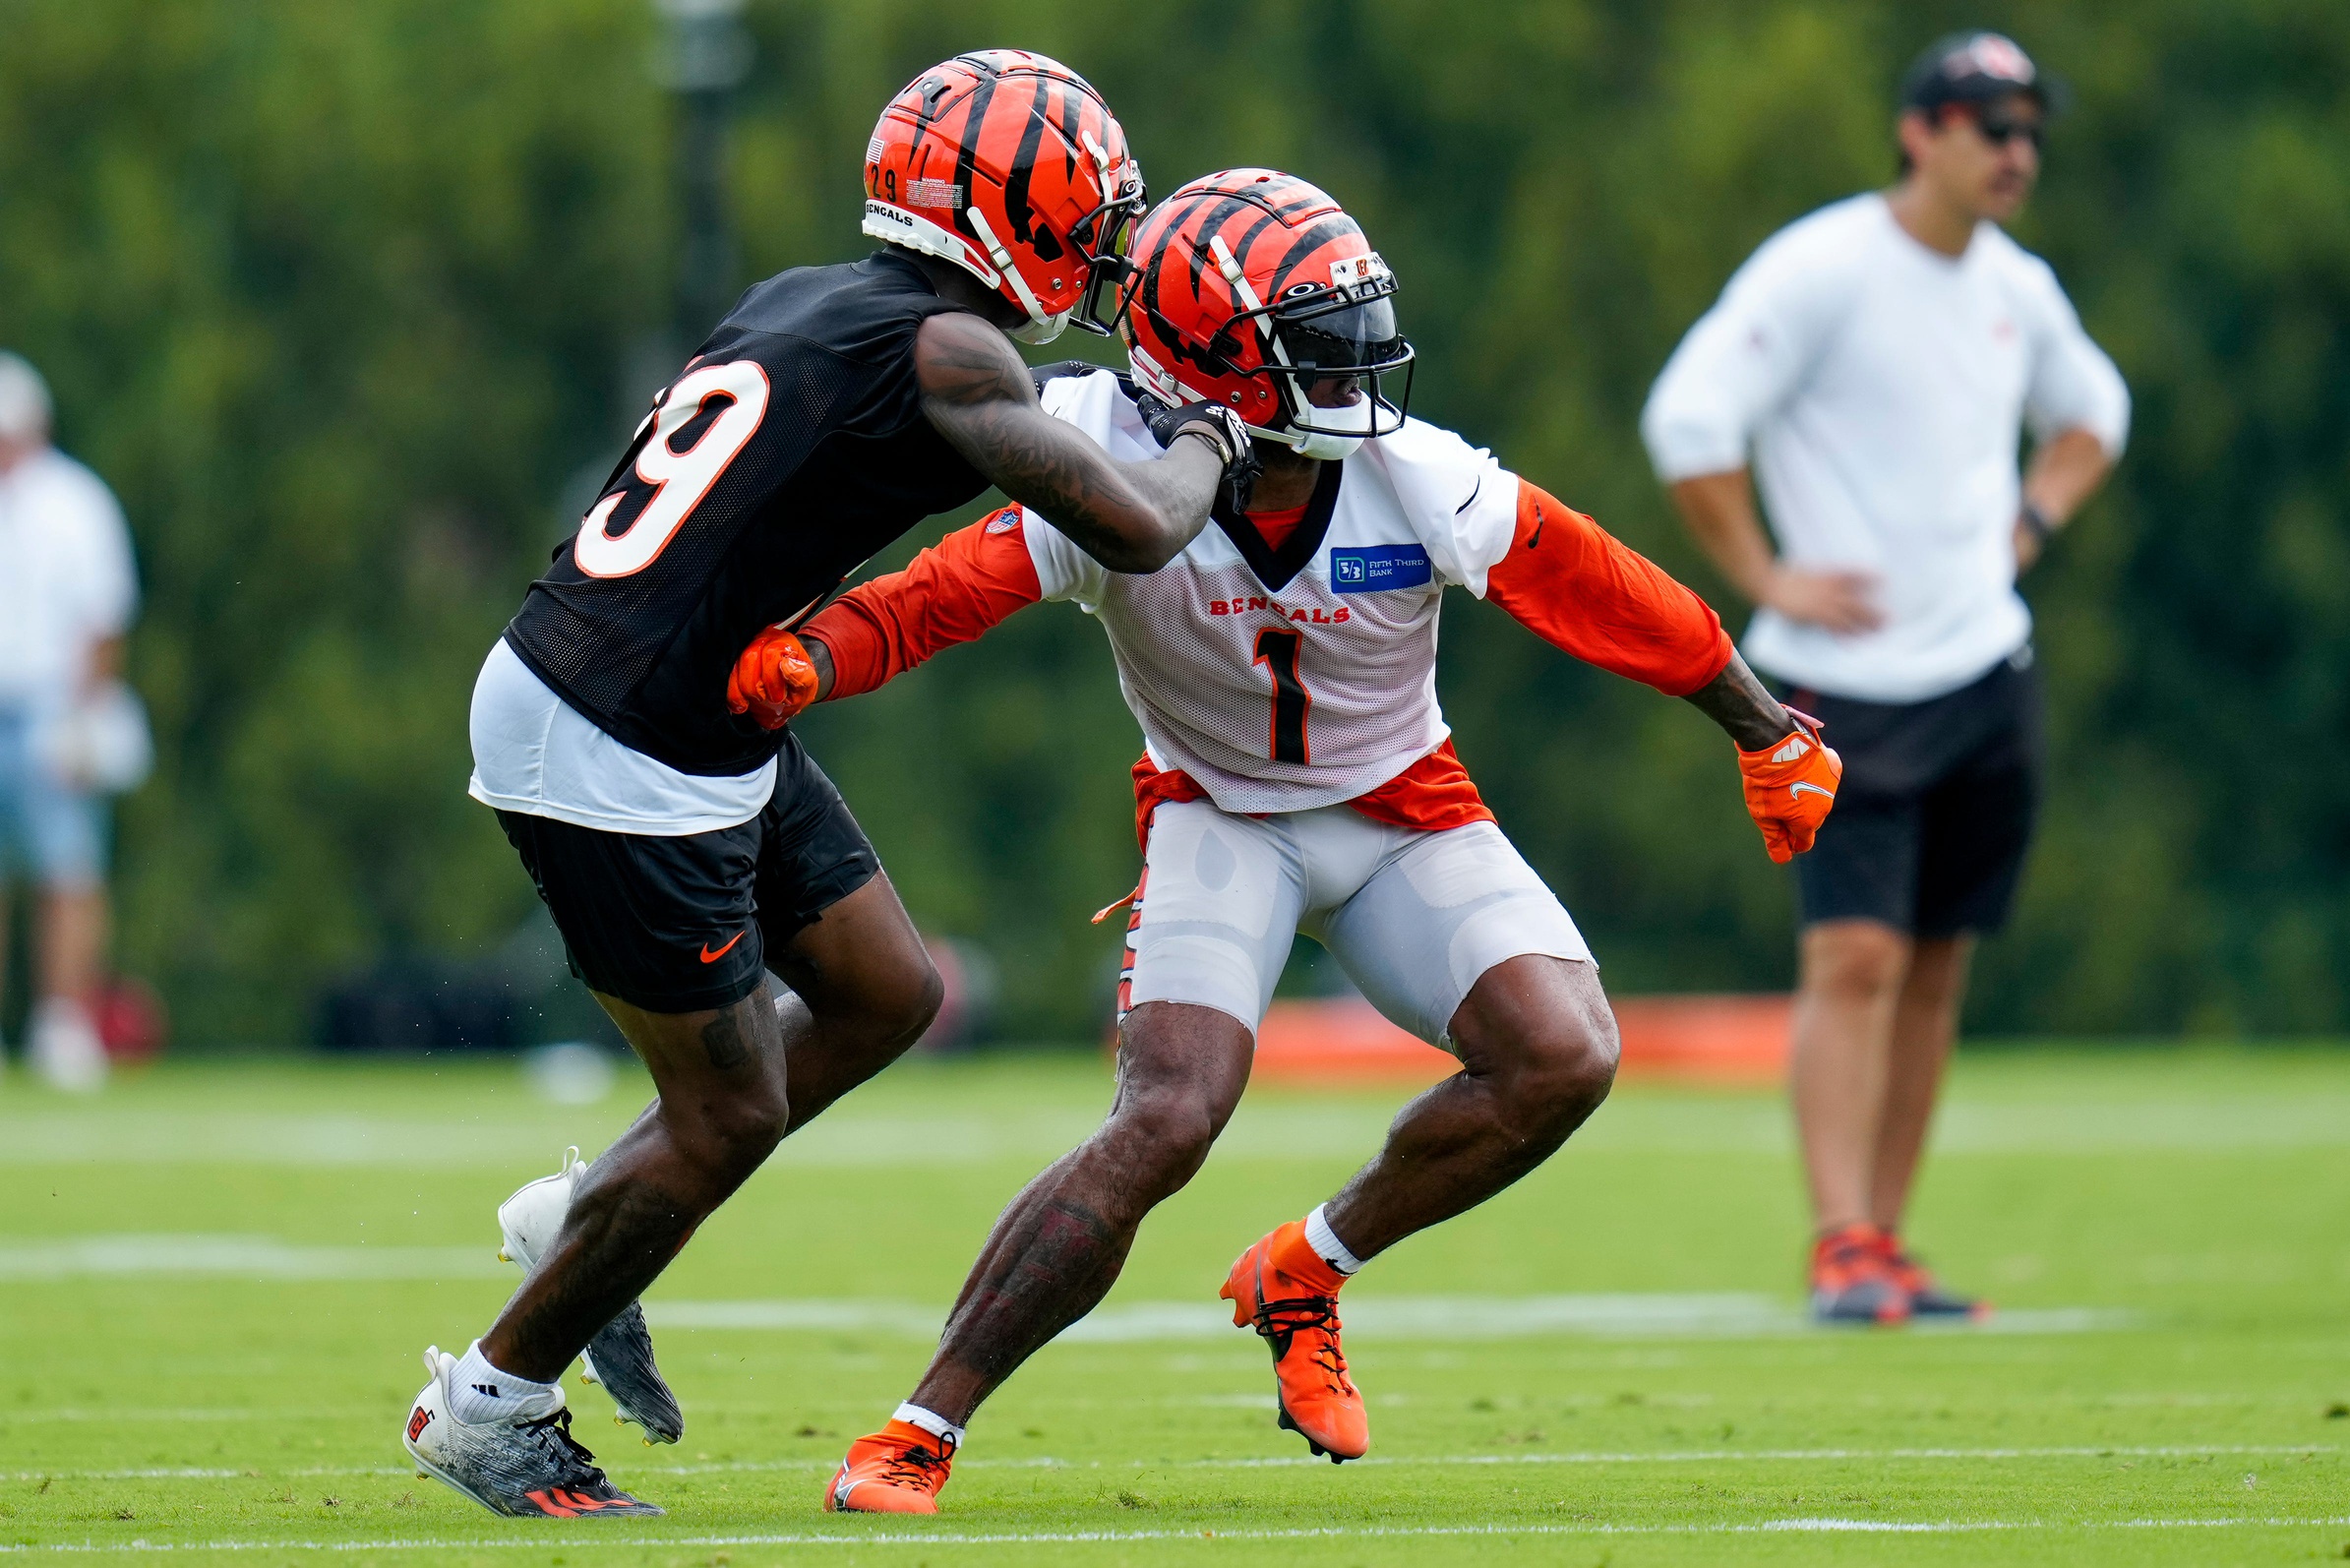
column 680, row 479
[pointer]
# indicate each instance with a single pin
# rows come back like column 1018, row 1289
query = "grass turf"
column 216, row 1281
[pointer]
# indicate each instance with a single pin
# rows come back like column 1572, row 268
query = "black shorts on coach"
column 1936, row 807
column 683, row 924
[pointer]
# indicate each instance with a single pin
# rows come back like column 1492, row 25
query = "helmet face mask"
column 1316, row 335
column 1256, row 290
column 1102, row 237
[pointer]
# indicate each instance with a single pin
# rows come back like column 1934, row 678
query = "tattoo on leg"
column 722, row 1038
column 622, row 1236
column 1046, row 1280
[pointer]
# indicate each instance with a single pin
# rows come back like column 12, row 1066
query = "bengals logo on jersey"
column 1010, row 166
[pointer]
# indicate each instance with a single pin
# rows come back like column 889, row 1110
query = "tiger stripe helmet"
column 1010, row 166
column 1256, row 290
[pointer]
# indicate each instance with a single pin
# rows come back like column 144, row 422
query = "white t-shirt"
column 1289, row 698
column 535, row 754
column 66, row 578
column 1881, row 388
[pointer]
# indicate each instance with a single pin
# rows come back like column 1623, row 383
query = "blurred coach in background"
column 1877, row 358
column 67, row 592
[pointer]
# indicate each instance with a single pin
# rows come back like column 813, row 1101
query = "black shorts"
column 684, row 923
column 1936, row 807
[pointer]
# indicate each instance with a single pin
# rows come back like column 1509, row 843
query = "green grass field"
column 215, row 1282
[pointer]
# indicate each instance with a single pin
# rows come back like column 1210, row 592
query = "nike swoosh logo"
column 709, row 957
column 1792, row 789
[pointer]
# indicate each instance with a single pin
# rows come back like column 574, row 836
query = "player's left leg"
column 1455, row 939
column 1975, row 828
column 1537, row 1047
column 69, row 844
column 1925, row 1024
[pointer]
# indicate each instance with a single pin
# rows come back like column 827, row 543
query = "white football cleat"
column 621, row 1355
column 527, row 1466
column 64, row 1047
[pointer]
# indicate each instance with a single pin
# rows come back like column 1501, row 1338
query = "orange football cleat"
column 1853, row 1279
column 897, row 1470
column 1290, row 1296
column 1928, row 1297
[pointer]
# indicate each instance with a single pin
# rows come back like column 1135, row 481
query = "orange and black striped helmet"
column 1256, row 290
column 1010, row 166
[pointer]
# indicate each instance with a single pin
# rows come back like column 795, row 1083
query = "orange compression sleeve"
column 1574, row 585
column 950, row 594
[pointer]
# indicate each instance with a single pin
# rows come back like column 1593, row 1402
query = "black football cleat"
column 525, row 1469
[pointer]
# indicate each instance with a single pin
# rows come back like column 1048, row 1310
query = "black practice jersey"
column 790, row 449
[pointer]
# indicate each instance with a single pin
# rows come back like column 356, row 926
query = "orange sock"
column 1295, row 1257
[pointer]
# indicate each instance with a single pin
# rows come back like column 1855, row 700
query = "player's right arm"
column 953, row 592
column 1130, row 517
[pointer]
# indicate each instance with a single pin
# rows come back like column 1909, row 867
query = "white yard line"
column 246, row 1257
column 1690, row 1456
column 529, row 1540
column 1371, row 1319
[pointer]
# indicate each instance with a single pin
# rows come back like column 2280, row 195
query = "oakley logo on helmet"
column 1010, row 166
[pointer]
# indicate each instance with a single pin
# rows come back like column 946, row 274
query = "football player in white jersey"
column 1297, row 776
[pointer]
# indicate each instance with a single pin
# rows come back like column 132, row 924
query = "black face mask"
column 1326, row 337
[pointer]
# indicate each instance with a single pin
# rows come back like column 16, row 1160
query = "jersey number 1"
column 680, row 479
column 1277, row 651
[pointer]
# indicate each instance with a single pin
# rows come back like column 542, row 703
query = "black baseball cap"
column 1975, row 68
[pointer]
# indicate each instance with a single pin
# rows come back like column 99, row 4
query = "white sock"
column 1326, row 1243
column 479, row 1392
column 932, row 1423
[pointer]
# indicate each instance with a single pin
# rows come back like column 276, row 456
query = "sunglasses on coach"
column 1999, row 132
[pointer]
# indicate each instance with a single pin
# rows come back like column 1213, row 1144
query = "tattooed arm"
column 1132, row 516
column 1736, row 700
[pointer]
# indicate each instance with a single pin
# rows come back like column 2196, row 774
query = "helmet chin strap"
column 1322, row 445
column 1042, row 326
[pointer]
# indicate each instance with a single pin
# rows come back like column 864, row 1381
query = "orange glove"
column 1790, row 787
column 772, row 680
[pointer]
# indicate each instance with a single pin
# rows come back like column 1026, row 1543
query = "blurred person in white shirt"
column 1877, row 362
column 67, row 595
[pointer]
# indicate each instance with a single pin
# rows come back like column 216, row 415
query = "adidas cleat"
column 620, row 1359
column 528, row 1468
column 1318, row 1399
column 897, row 1470
column 1927, row 1296
column 1852, row 1282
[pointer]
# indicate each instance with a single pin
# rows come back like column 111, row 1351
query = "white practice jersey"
column 1881, row 389
column 1288, row 696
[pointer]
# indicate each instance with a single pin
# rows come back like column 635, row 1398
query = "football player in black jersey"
column 684, row 850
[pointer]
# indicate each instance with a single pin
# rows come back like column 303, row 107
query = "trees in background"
column 340, row 301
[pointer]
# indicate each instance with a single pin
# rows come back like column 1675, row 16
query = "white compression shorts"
column 1413, row 916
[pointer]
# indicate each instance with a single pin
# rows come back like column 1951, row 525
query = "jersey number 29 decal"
column 1278, row 651
column 680, row 479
